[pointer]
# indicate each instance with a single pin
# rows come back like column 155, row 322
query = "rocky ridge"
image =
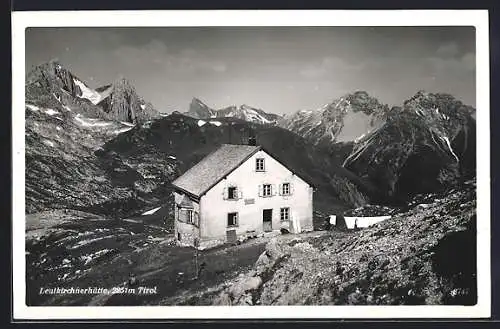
column 346, row 119
column 424, row 146
column 199, row 110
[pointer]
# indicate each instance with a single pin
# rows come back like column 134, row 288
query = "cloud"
column 453, row 65
column 449, row 49
column 328, row 65
column 448, row 59
column 158, row 54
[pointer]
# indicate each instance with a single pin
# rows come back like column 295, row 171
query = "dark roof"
column 213, row 168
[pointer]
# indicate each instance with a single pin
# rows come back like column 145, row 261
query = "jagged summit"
column 51, row 83
column 345, row 119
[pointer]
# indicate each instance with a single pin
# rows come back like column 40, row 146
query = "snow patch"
column 215, row 123
column 88, row 93
column 449, row 146
column 119, row 131
column 201, row 123
column 88, row 258
column 33, row 107
column 58, row 128
column 57, row 97
column 359, row 138
column 127, row 124
column 51, row 112
column 152, row 211
column 143, row 106
column 89, row 241
column 66, row 108
column 172, row 157
column 90, row 122
column 48, row 143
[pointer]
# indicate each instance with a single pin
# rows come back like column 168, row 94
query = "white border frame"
column 477, row 18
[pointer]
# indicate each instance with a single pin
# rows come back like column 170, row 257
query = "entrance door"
column 267, row 219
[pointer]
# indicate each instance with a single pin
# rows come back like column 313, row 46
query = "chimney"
column 252, row 141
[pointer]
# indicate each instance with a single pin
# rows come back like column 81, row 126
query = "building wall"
column 187, row 232
column 213, row 218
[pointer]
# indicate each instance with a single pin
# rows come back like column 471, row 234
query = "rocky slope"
column 199, row 110
column 65, row 125
column 62, row 170
column 118, row 101
column 409, row 259
column 424, row 146
column 346, row 119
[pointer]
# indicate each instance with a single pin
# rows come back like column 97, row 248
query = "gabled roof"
column 213, row 168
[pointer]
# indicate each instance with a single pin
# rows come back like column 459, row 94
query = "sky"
column 278, row 69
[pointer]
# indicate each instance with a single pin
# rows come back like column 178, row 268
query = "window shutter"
column 225, row 193
column 273, row 189
column 260, row 190
column 240, row 194
column 196, row 219
column 291, row 188
column 280, row 189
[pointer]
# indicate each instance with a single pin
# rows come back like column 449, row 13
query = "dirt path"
column 221, row 264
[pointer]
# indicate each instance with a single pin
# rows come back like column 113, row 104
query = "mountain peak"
column 344, row 119
column 196, row 100
column 122, row 81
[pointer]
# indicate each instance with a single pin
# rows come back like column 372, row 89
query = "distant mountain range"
column 199, row 110
column 107, row 150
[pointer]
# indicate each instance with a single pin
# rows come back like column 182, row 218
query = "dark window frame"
column 285, row 211
column 236, row 219
column 264, row 190
column 233, row 196
column 260, row 164
column 289, row 191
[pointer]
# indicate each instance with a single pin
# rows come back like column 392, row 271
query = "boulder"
column 248, row 284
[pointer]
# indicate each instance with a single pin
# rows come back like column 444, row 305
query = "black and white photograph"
column 247, row 166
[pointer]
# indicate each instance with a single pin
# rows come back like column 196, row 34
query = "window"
column 285, row 189
column 232, row 193
column 266, row 190
column 190, row 216
column 285, row 214
column 259, row 164
column 232, row 219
